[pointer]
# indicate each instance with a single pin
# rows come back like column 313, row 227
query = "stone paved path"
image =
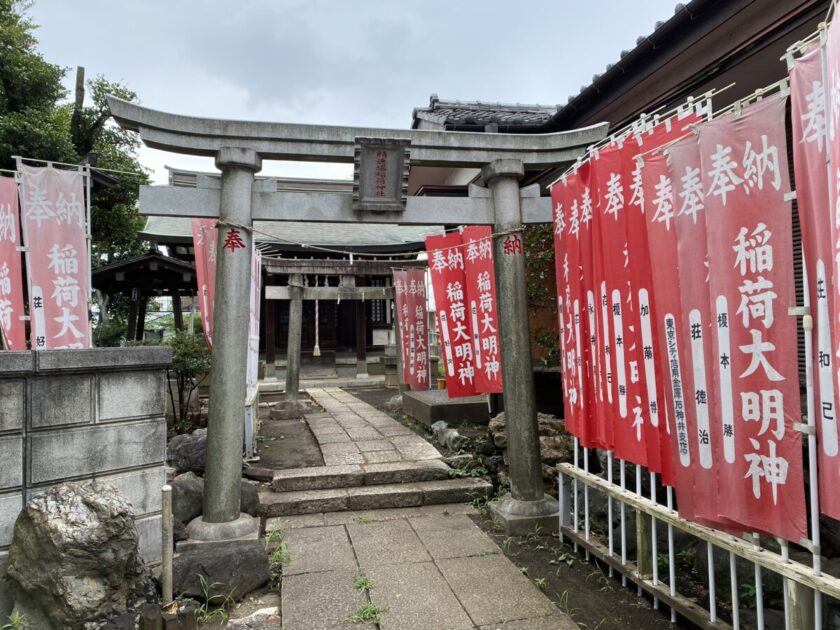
column 431, row 567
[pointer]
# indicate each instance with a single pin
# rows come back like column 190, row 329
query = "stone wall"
column 82, row 414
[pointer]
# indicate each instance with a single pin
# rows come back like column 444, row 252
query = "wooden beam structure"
column 332, row 293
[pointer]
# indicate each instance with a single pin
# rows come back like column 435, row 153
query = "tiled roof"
column 463, row 113
column 163, row 229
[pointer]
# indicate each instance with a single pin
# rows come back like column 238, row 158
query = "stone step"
column 396, row 495
column 353, row 475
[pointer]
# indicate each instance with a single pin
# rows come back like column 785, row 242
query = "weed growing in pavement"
column 540, row 582
column 362, row 520
column 16, row 621
column 277, row 557
column 483, row 552
column 368, row 613
column 215, row 607
column 505, row 544
column 363, row 584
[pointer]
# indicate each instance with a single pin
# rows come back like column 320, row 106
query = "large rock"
column 188, row 452
column 187, row 496
column 74, row 557
column 229, row 569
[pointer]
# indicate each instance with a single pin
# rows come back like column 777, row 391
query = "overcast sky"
column 339, row 62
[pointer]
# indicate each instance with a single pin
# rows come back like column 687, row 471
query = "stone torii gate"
column 347, row 289
column 239, row 148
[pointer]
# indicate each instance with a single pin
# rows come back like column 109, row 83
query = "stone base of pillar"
column 246, row 527
column 361, row 369
column 521, row 517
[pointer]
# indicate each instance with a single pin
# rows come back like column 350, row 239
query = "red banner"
column 568, row 276
column 418, row 334
column 481, row 297
column 810, row 140
column 750, row 256
column 710, row 442
column 12, row 326
column 204, row 247
column 446, row 262
column 402, row 312
column 54, row 216
column 667, row 306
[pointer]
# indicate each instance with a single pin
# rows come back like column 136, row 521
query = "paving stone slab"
column 393, row 431
column 386, row 542
column 405, row 472
column 419, row 453
column 339, row 449
column 382, row 457
column 314, row 549
column 341, row 459
column 454, row 536
column 302, row 502
column 456, row 490
column 493, row 590
column 327, row 429
column 411, row 439
column 364, row 433
column 321, row 601
column 318, row 478
column 372, row 516
column 554, row 622
column 332, row 438
column 367, row 446
column 383, row 496
column 417, row 597
column 282, row 523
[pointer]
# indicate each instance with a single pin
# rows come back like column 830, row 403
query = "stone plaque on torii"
column 239, row 148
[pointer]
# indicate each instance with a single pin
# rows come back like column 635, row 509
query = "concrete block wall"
column 83, row 414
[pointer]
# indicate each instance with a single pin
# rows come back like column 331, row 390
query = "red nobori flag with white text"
column 569, row 307
column 418, row 336
column 54, row 217
column 809, row 162
column 667, row 306
column 748, row 224
column 11, row 276
column 709, row 410
column 599, row 431
column 402, row 308
column 622, row 351
column 481, row 298
column 204, row 247
column 446, row 264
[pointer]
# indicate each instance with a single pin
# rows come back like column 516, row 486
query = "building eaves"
column 477, row 115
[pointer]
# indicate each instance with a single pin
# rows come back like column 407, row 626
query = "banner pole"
column 710, row 555
column 653, row 545
column 586, row 501
column 610, row 508
column 575, row 487
column 638, row 516
column 785, row 552
column 759, row 589
column 733, row 581
column 621, row 477
column 672, row 578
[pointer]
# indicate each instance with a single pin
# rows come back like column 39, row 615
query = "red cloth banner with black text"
column 483, row 313
column 11, row 277
column 810, row 142
column 446, row 264
column 417, row 359
column 750, row 255
column 400, row 280
column 204, row 246
column 53, row 223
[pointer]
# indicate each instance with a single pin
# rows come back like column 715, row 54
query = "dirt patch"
column 582, row 590
column 287, row 444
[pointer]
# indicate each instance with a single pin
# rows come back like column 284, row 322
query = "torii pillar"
column 221, row 518
column 527, row 504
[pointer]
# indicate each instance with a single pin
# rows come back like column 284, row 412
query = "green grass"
column 362, row 520
column 363, row 584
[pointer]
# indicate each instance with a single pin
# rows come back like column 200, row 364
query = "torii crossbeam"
column 239, row 148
